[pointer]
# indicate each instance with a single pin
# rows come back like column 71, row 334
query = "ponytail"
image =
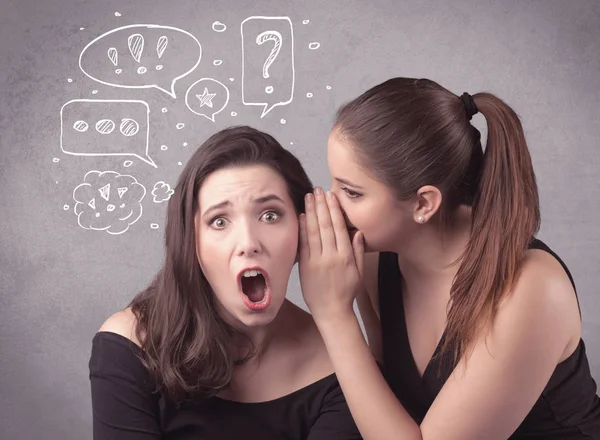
column 505, row 218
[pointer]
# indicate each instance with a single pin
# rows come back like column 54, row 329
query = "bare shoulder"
column 542, row 302
column 122, row 323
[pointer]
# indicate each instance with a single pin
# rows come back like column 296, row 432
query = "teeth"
column 251, row 273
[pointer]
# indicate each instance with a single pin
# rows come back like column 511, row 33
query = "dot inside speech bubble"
column 105, row 128
column 141, row 56
column 207, row 97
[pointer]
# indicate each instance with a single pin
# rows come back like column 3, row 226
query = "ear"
column 427, row 203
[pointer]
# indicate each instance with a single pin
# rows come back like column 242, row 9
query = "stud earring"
column 421, row 219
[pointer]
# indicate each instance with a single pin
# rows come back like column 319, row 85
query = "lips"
column 266, row 298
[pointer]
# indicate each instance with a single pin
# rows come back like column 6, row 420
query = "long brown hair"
column 187, row 346
column 413, row 132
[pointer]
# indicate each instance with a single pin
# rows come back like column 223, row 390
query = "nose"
column 248, row 240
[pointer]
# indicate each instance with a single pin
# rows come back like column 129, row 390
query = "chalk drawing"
column 207, row 97
column 108, row 201
column 162, row 192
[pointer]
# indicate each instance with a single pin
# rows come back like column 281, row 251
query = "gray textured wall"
column 59, row 280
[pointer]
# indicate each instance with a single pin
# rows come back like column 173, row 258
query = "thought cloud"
column 162, row 192
column 105, row 128
column 268, row 73
column 108, row 201
column 207, row 97
column 141, row 56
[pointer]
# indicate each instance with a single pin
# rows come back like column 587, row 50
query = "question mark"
column 269, row 36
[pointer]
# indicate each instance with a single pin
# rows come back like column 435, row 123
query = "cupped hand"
column 330, row 264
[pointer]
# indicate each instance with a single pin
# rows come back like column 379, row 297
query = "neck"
column 429, row 260
column 263, row 337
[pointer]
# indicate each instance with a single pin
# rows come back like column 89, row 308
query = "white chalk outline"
column 126, row 219
column 266, row 108
column 169, row 192
column 171, row 93
column 187, row 94
column 146, row 159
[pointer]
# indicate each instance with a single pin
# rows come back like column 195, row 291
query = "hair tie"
column 469, row 105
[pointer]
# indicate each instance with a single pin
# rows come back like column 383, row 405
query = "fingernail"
column 318, row 191
column 328, row 195
column 309, row 197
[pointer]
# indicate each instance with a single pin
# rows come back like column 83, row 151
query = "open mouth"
column 254, row 285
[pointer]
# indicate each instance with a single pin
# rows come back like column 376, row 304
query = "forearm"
column 374, row 407
column 372, row 325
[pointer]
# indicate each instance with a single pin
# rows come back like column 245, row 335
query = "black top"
column 125, row 408
column 567, row 409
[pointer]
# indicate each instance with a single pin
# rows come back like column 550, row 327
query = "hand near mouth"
column 330, row 262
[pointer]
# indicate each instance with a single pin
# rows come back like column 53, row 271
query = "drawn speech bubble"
column 207, row 97
column 141, row 56
column 91, row 127
column 108, row 201
column 268, row 73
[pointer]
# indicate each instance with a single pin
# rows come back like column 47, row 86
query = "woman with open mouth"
column 212, row 349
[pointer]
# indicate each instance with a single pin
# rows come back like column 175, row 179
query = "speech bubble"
column 268, row 73
column 91, row 127
column 141, row 56
column 108, row 201
column 207, row 97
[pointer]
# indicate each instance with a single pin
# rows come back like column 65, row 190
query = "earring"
column 421, row 219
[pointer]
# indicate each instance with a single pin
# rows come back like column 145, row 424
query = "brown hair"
column 186, row 344
column 413, row 132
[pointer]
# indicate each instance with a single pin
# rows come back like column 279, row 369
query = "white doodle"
column 233, row 114
column 162, row 44
column 179, row 163
column 305, row 21
column 108, row 201
column 127, row 163
column 314, row 46
column 180, row 126
column 212, row 90
column 268, row 71
column 309, row 95
column 56, row 160
column 70, row 80
column 94, row 92
column 117, row 14
column 232, row 79
column 328, row 87
column 217, row 62
column 164, row 110
column 164, row 147
column 162, row 192
column 130, row 140
column 154, row 225
column 217, row 26
column 283, row 121
column 185, row 144
column 66, row 207
column 179, row 53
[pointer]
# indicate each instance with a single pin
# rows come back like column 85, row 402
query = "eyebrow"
column 257, row 201
column 347, row 182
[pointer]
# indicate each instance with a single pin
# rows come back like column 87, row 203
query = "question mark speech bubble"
column 207, row 97
column 268, row 73
column 141, row 56
column 91, row 127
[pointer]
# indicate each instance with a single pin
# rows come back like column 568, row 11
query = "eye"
column 271, row 216
column 351, row 194
column 218, row 223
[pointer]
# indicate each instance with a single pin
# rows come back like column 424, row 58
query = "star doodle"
column 206, row 98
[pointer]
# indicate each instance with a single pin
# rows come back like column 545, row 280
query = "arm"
column 489, row 395
column 486, row 397
column 335, row 421
column 368, row 304
column 123, row 405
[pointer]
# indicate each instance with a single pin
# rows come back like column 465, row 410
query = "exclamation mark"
column 136, row 47
column 160, row 49
column 114, row 57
